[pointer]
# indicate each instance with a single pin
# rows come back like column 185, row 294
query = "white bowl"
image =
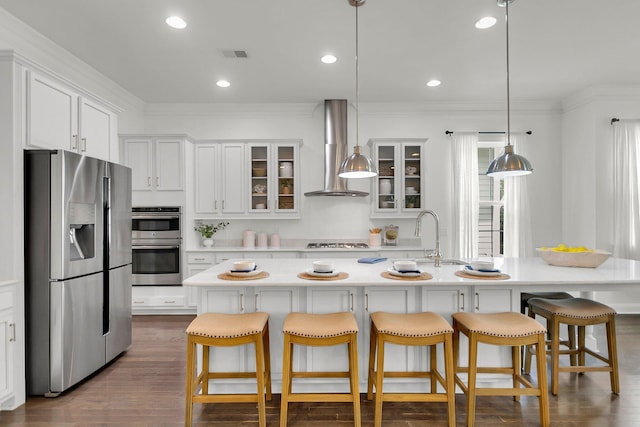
column 405, row 265
column 322, row 266
column 482, row 265
column 244, row 265
column 574, row 259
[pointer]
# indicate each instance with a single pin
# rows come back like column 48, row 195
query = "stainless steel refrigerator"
column 77, row 267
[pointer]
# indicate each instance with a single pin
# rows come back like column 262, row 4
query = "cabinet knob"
column 75, row 142
column 13, row 331
column 84, row 145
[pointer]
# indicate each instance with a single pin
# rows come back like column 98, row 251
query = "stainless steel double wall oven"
column 157, row 241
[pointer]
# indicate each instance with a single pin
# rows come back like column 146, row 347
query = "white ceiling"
column 558, row 47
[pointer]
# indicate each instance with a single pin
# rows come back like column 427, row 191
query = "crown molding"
column 32, row 49
column 601, row 93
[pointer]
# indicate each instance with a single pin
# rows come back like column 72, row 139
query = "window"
column 491, row 209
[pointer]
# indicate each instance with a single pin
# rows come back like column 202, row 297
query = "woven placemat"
column 307, row 276
column 227, row 276
column 423, row 276
column 501, row 276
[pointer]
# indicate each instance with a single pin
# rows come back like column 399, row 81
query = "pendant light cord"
column 357, row 5
column 508, row 94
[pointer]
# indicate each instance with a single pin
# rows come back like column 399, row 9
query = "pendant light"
column 509, row 163
column 357, row 165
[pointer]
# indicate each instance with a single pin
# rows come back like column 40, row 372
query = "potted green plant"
column 412, row 201
column 208, row 230
column 285, row 186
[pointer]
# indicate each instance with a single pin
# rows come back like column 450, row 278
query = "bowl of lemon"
column 573, row 256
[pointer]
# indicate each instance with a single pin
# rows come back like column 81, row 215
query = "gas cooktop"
column 334, row 245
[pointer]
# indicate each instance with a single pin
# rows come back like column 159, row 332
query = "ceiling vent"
column 232, row 53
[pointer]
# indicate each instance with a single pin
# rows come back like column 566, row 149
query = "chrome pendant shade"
column 508, row 163
column 357, row 165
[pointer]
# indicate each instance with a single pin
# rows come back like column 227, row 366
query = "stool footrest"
column 320, row 397
column 320, row 374
column 224, row 398
column 415, row 397
column 404, row 374
column 507, row 392
column 230, row 375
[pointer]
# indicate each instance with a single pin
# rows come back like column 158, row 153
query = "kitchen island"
column 365, row 291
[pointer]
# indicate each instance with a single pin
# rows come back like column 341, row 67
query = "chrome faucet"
column 436, row 256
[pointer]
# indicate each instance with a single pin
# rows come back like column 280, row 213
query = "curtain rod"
column 615, row 119
column 450, row 132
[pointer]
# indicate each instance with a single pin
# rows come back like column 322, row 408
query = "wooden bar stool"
column 503, row 329
column 570, row 342
column 320, row 330
column 226, row 330
column 423, row 329
column 578, row 312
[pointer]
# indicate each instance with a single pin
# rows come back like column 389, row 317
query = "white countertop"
column 304, row 249
column 613, row 274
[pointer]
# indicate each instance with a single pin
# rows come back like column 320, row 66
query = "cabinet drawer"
column 201, row 258
column 168, row 301
column 140, row 301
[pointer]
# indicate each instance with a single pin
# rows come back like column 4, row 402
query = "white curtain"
column 517, row 218
column 465, row 195
column 626, row 187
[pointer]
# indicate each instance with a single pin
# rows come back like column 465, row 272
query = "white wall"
column 587, row 181
column 341, row 218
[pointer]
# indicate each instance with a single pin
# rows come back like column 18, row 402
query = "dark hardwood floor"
column 145, row 387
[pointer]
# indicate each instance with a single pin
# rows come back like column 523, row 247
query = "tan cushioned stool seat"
column 320, row 325
column 577, row 308
column 411, row 325
column 219, row 325
column 506, row 324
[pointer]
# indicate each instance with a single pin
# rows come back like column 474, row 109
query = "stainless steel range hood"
column 335, row 150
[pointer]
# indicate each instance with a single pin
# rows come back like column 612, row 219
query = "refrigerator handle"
column 106, row 226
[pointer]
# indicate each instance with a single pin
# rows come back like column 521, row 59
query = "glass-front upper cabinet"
column 400, row 181
column 274, row 176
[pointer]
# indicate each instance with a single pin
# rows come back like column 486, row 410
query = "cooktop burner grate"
column 334, row 245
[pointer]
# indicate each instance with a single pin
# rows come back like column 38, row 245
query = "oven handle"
column 134, row 216
column 155, row 247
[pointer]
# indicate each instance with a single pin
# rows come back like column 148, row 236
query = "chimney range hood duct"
column 335, row 150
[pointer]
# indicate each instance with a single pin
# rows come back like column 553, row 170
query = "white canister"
column 385, row 186
column 249, row 239
column 375, row 240
column 286, row 170
column 262, row 240
column 275, row 240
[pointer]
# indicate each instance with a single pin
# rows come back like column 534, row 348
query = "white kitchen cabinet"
column 246, row 179
column 396, row 299
column 160, row 300
column 227, row 300
column 7, row 346
column 398, row 188
column 278, row 302
column 156, row 162
column 273, row 177
column 493, row 300
column 323, row 300
column 220, row 177
column 57, row 117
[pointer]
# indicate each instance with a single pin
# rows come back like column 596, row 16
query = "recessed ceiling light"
column 486, row 22
column 176, row 22
column 433, row 83
column 223, row 83
column 328, row 59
